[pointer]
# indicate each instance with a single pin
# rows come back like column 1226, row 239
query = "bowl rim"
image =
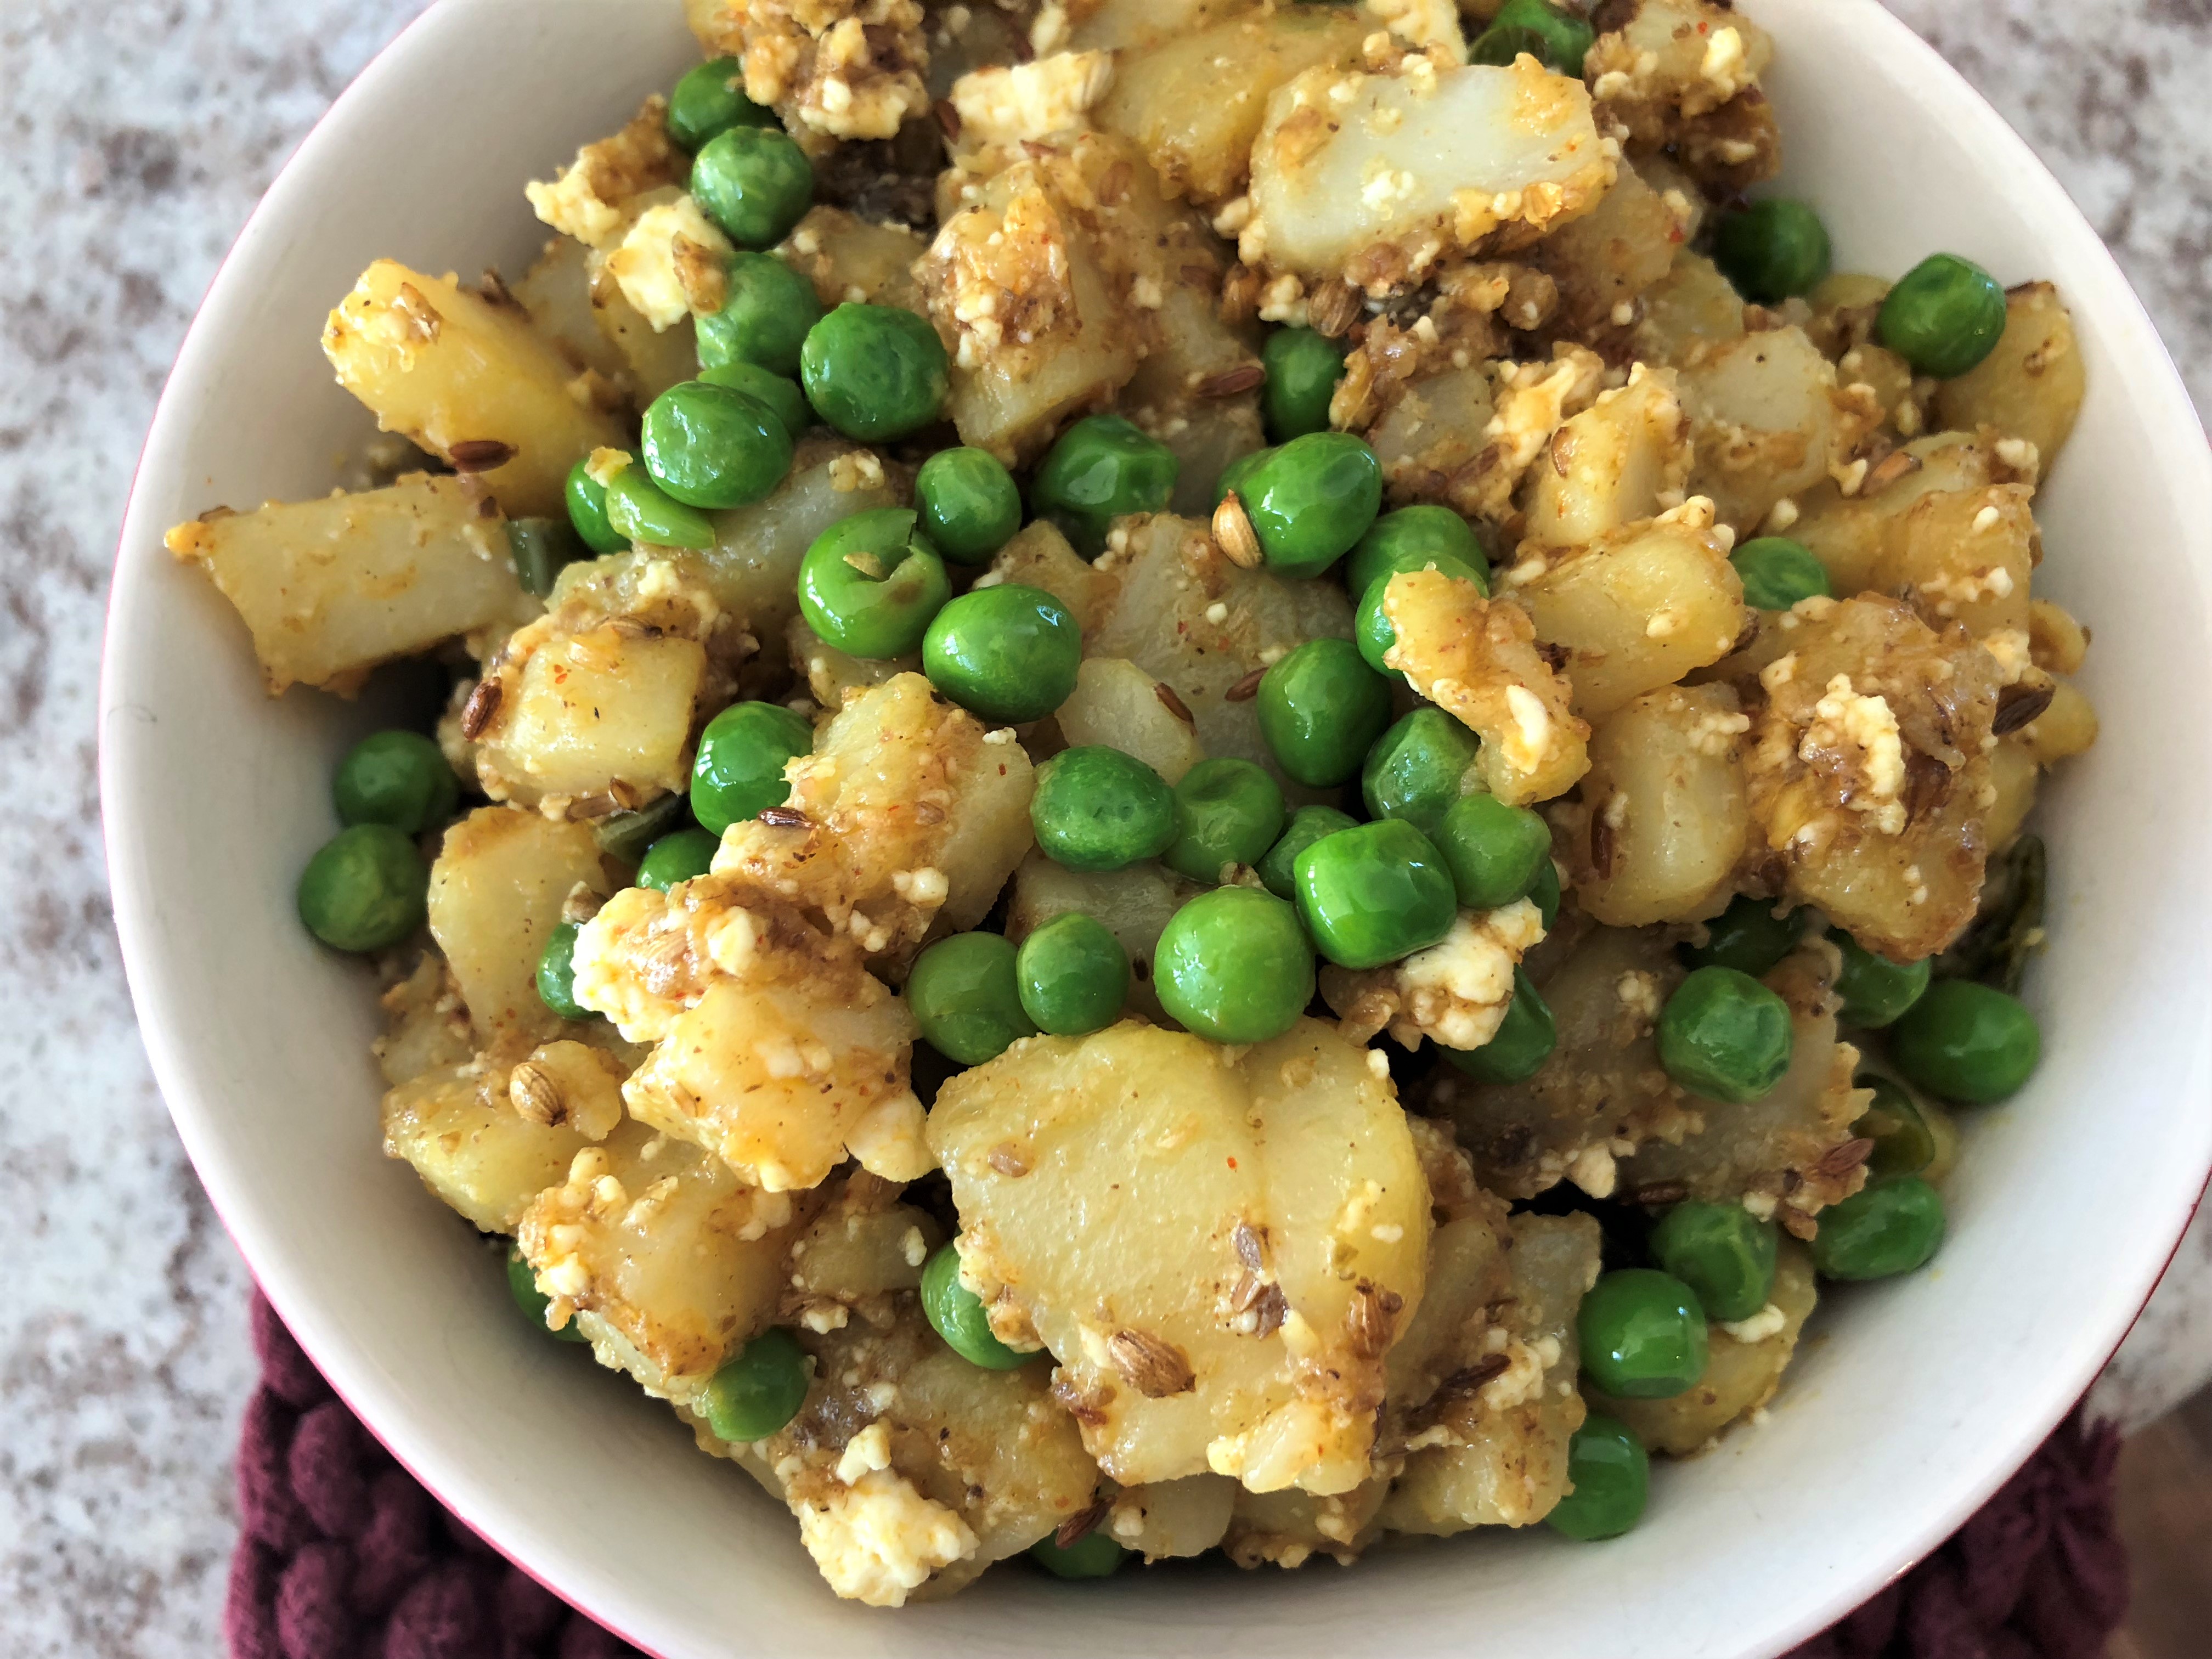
column 2154, row 381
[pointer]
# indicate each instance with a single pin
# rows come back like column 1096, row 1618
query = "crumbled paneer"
column 832, row 69
column 590, row 199
column 1004, row 103
column 876, row 1538
column 1455, row 992
column 672, row 263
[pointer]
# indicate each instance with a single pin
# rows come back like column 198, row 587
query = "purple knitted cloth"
column 344, row 1556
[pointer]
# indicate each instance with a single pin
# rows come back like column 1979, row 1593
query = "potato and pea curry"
column 1217, row 776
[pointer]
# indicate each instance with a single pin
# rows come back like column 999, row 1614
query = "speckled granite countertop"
column 138, row 134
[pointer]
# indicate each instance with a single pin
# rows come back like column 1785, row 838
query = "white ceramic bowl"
column 1911, row 1402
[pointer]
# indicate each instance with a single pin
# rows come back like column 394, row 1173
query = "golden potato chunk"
column 1289, row 1527
column 2030, row 384
column 1765, row 418
column 1667, row 816
column 1624, row 458
column 1964, row 556
column 1118, row 704
column 1852, row 534
column 1682, row 76
column 1173, row 1518
column 856, row 1255
column 472, row 1148
column 1606, row 259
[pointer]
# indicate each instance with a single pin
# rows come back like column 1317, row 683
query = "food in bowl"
column 1360, row 777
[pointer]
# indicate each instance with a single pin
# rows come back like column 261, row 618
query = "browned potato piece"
column 1288, row 1528
column 2065, row 729
column 1039, row 557
column 1667, row 818
column 863, row 1248
column 2012, row 776
column 426, row 1027
column 599, row 707
column 1964, row 556
column 2030, row 385
column 1764, row 413
column 1115, row 24
column 852, row 261
column 556, row 292
column 1446, row 1346
column 1615, row 463
column 1603, row 260
column 472, row 1149
column 1691, row 305
column 1852, row 534
column 1174, row 1518
column 1118, row 704
column 1433, row 428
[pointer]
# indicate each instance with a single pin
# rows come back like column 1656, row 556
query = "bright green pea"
column 1772, row 250
column 587, row 512
column 774, row 393
column 522, row 1286
column 627, row 838
column 1776, row 573
column 708, row 101
column 368, row 888
column 969, row 505
column 1410, row 539
column 1555, row 38
column 540, row 549
column 1902, row 1142
column 639, row 510
column 871, row 584
column 1311, row 500
column 965, row 994
column 712, row 447
column 398, row 778
column 1747, row 937
column 767, row 309
column 685, row 855
column 1493, row 851
column 1007, row 653
column 556, row 973
column 1886, row 1228
column 1874, row 989
column 1302, row 370
column 1096, row 808
column 956, row 1314
column 1374, row 894
column 739, row 771
column 1944, row 316
column 1234, row 474
column 1968, row 1041
column 1094, row 1555
column 1074, row 976
column 758, row 1389
column 1723, row 1252
column 1321, row 710
column 1525, row 1039
column 875, row 371
column 1233, row 966
column 1643, row 1335
column 1278, row 871
column 1611, row 1474
column 1724, row 1035
column 1418, row 768
column 754, row 182
column 1227, row 811
column 1100, row 468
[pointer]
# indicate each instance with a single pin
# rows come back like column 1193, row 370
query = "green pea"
column 875, row 371
column 754, row 182
column 1723, row 1252
column 1321, row 710
column 1724, row 1035
column 1311, row 500
column 1772, row 250
column 540, row 549
column 1074, row 976
column 685, row 855
column 1410, row 539
column 956, row 1314
column 556, row 973
column 767, row 310
column 1227, row 811
column 534, row 1303
column 965, row 995
column 398, row 778
column 1234, row 474
column 639, row 510
column 758, row 1389
column 777, row 393
column 587, row 512
column 872, row 583
column 1233, row 966
column 737, row 773
column 1944, row 316
column 1278, row 871
column 1525, row 1039
column 627, row 838
column 1374, row 894
column 1964, row 1041
column 1493, row 851
column 1904, row 1144
column 1545, row 893
column 969, row 505
column 1874, row 989
column 1094, row 1555
column 1610, row 1473
column 1096, row 808
column 1643, row 1335
column 368, row 888
column 1007, row 653
column 1557, row 39
column 1776, row 573
column 1100, row 468
column 1418, row 768
column 1373, row 632
column 1747, row 937
column 1302, row 370
column 708, row 101
column 712, row 447
column 1886, row 1228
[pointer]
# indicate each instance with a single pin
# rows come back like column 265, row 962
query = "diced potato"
column 1964, row 556
column 1613, row 464
column 653, row 359
column 2013, row 775
column 1289, row 1527
column 598, row 707
column 496, row 893
column 1204, row 441
column 1174, row 1518
column 863, row 1247
column 1435, row 427
column 1263, row 1234
column 831, row 675
column 1692, row 304
column 2065, row 729
column 1468, row 1272
column 754, row 563
column 474, row 1150
column 1764, row 416
column 1039, row 557
column 1852, row 534
column 2057, row 640
column 1668, row 818
column 442, row 366
column 1133, row 903
column 330, row 588
column 850, row 260
column 1682, row 76
column 1115, row 24
column 1605, row 259
column 2030, row 385
column 556, row 292
column 426, row 1029
column 1116, row 703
